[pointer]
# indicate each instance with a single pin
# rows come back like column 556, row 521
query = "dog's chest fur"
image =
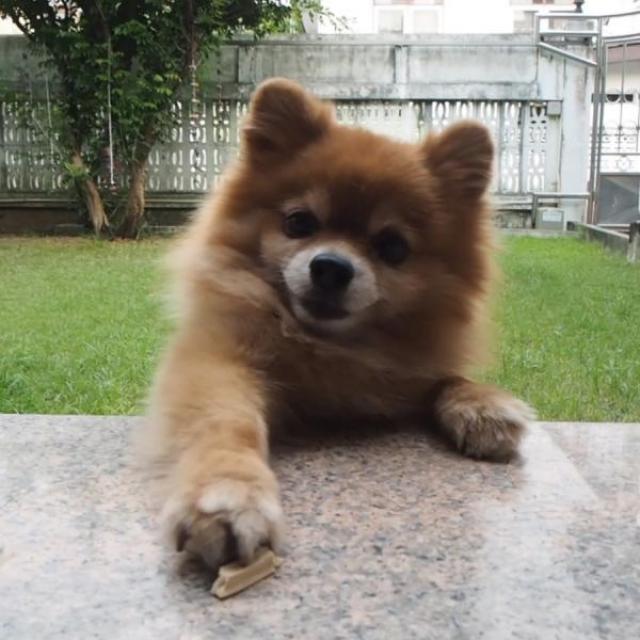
column 319, row 378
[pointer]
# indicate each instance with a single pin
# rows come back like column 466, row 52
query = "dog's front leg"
column 208, row 417
column 482, row 421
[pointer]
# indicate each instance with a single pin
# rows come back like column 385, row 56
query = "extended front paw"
column 482, row 421
column 228, row 519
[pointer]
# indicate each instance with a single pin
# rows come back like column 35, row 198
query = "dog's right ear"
column 283, row 119
column 461, row 157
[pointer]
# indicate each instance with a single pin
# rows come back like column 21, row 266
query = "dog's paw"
column 228, row 520
column 483, row 421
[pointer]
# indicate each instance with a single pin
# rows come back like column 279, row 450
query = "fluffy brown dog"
column 335, row 274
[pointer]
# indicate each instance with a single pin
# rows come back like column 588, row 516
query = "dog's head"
column 351, row 227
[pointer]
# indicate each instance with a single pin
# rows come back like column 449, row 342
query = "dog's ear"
column 283, row 119
column 461, row 158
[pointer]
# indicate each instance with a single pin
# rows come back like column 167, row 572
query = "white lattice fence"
column 29, row 160
column 194, row 156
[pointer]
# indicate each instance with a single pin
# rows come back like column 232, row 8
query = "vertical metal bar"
column 622, row 83
column 601, row 123
column 594, row 126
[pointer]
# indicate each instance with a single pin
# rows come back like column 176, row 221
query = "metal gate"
column 612, row 47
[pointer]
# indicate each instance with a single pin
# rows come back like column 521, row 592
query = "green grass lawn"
column 81, row 325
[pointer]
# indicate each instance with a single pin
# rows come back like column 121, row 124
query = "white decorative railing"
column 621, row 134
column 198, row 149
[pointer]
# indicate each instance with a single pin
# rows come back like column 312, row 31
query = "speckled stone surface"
column 391, row 536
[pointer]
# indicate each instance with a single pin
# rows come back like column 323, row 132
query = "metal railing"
column 537, row 196
column 590, row 32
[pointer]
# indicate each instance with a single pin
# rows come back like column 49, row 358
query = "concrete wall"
column 435, row 67
column 472, row 67
column 551, row 94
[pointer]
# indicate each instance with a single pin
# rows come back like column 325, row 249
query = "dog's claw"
column 230, row 521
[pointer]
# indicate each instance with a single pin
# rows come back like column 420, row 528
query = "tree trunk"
column 134, row 213
column 90, row 196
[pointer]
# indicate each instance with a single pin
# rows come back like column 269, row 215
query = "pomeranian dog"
column 335, row 275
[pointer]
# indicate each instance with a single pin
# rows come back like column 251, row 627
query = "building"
column 7, row 27
column 441, row 16
column 455, row 16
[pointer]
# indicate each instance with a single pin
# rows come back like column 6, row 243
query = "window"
column 539, row 2
column 407, row 2
column 523, row 21
column 425, row 21
column 390, row 21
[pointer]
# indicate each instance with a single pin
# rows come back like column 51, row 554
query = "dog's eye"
column 391, row 247
column 300, row 224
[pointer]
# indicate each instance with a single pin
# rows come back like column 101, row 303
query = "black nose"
column 331, row 273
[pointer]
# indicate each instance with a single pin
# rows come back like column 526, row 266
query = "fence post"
column 633, row 251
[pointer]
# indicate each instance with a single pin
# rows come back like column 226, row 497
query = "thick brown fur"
column 243, row 363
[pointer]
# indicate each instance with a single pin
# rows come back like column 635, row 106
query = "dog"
column 335, row 275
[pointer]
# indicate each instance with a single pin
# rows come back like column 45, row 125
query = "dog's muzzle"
column 329, row 284
column 330, row 275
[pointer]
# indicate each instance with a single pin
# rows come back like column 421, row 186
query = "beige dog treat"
column 235, row 577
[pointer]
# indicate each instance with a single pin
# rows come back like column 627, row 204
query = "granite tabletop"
column 389, row 536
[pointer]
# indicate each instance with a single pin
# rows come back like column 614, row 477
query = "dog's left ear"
column 283, row 119
column 461, row 158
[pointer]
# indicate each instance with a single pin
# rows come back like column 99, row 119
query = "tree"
column 120, row 66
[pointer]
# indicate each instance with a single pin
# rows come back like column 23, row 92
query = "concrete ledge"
column 538, row 233
column 60, row 214
column 613, row 240
column 390, row 536
column 57, row 213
